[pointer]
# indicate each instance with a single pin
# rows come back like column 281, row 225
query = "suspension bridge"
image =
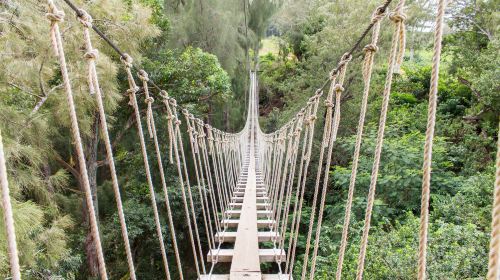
column 249, row 186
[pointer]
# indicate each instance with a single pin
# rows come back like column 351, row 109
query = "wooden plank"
column 246, row 254
column 259, row 199
column 232, row 255
column 260, row 206
column 260, row 213
column 264, row 277
column 232, row 223
column 262, row 236
column 242, row 193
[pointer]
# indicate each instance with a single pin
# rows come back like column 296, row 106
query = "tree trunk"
column 226, row 118
column 91, row 148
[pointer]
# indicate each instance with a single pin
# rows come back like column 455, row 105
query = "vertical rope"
column 338, row 88
column 175, row 133
column 91, row 55
column 370, row 50
column 429, row 136
column 127, row 61
column 144, row 77
column 397, row 17
column 55, row 16
column 8, row 217
column 494, row 259
column 192, row 134
column 324, row 144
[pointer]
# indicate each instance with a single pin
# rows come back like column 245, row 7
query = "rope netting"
column 219, row 161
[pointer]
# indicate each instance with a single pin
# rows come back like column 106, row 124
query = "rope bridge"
column 250, row 185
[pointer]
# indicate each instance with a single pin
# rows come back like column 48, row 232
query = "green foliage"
column 455, row 252
column 175, row 73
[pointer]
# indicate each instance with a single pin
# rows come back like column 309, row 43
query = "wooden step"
column 260, row 206
column 260, row 213
column 264, row 276
column 263, row 236
column 232, row 223
column 242, row 189
column 258, row 193
column 265, row 255
column 263, row 199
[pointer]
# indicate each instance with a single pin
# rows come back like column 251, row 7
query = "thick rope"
column 494, row 259
column 297, row 137
column 397, row 17
column 144, row 77
column 55, row 16
column 198, row 172
column 8, row 217
column 93, row 81
column 324, row 144
column 370, row 50
column 429, row 136
column 299, row 196
column 175, row 133
column 127, row 61
column 333, row 137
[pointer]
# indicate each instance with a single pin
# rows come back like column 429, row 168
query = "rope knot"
column 143, row 75
column 397, row 17
column 317, row 94
column 338, row 88
column 84, row 18
column 133, row 90
column 55, row 16
column 333, row 74
column 371, row 48
column 127, row 60
column 312, row 118
column 379, row 14
column 91, row 55
column 164, row 94
column 328, row 103
column 149, row 100
column 346, row 57
column 177, row 122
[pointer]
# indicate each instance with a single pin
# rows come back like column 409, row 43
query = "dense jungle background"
column 201, row 52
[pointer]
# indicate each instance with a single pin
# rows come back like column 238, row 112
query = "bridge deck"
column 246, row 247
column 248, row 212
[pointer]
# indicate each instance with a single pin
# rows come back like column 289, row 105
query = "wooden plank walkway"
column 247, row 213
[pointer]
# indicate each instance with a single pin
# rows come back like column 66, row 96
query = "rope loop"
column 132, row 90
column 84, row 18
column 333, row 74
column 127, row 60
column 346, row 58
column 379, row 13
column 338, row 88
column 91, row 55
column 164, row 94
column 371, row 48
column 55, row 16
column 397, row 16
column 143, row 75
